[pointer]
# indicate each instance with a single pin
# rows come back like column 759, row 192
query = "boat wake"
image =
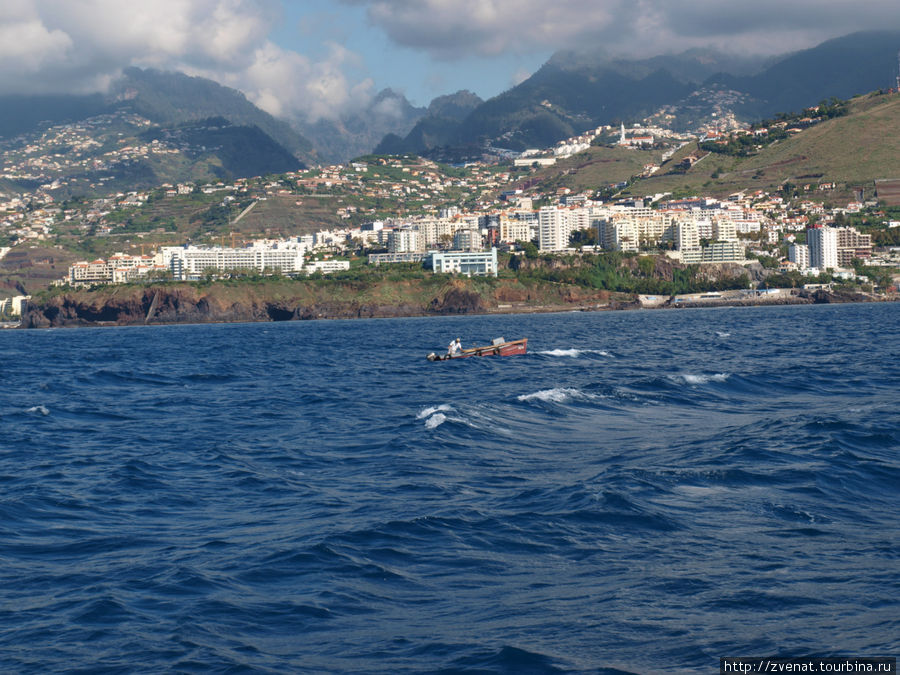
column 575, row 353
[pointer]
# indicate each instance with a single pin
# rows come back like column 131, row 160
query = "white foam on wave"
column 559, row 395
column 435, row 421
column 480, row 418
column 39, row 409
column 723, row 334
column 704, row 379
column 574, row 353
column 428, row 412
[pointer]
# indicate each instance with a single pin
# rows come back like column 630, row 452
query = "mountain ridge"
column 574, row 91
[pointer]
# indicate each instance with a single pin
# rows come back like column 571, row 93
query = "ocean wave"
column 434, row 415
column 691, row 378
column 435, row 421
column 482, row 417
column 558, row 395
column 428, row 412
column 39, row 409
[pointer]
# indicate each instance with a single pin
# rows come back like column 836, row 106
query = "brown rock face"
column 457, row 301
column 190, row 304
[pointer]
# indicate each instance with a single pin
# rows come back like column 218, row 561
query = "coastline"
column 160, row 307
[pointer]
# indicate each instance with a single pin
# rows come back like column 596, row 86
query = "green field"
column 595, row 168
column 290, row 215
column 851, row 151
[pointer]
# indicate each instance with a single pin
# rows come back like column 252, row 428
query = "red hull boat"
column 499, row 347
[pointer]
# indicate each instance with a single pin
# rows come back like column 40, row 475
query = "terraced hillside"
column 852, row 151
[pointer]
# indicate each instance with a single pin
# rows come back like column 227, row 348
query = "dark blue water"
column 643, row 492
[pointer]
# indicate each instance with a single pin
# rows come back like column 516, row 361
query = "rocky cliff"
column 286, row 300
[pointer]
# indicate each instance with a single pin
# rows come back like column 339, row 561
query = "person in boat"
column 454, row 348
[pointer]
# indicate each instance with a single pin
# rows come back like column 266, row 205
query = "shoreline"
column 405, row 311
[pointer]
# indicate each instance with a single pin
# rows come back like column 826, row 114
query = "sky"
column 313, row 59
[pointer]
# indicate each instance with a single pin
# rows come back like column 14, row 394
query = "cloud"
column 452, row 29
column 520, row 76
column 290, row 85
column 63, row 46
column 80, row 46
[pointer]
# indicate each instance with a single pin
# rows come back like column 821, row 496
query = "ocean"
column 643, row 492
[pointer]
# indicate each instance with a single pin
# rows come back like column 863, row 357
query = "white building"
column 389, row 258
column 619, row 235
column 192, row 262
column 119, row 268
column 823, row 250
column 432, row 231
column 513, row 229
column 799, row 255
column 471, row 263
column 327, row 266
column 687, row 236
column 553, row 228
column 724, row 229
column 14, row 306
column 403, row 240
column 723, row 252
column 467, row 240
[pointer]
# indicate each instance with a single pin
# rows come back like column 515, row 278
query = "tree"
column 584, row 237
column 531, row 251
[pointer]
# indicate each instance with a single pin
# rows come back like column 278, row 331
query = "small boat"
column 498, row 347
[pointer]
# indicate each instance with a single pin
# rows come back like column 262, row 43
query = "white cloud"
column 520, row 76
column 56, row 46
column 450, row 29
column 288, row 84
column 78, row 46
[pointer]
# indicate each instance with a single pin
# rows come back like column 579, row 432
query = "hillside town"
column 691, row 231
column 405, row 209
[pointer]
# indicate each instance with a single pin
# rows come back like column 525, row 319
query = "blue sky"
column 313, row 59
column 310, row 26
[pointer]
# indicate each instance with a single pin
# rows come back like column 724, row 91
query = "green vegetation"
column 881, row 277
column 629, row 273
column 875, row 224
column 774, row 130
column 595, row 169
column 850, row 150
column 794, row 280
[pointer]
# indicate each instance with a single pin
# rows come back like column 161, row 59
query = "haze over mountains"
column 572, row 92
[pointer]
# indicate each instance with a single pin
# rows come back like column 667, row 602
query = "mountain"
column 232, row 151
column 21, row 114
column 572, row 92
column 438, row 127
column 850, row 151
column 151, row 128
column 842, row 67
column 164, row 98
column 168, row 98
column 355, row 134
column 454, row 106
column 691, row 66
column 575, row 91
